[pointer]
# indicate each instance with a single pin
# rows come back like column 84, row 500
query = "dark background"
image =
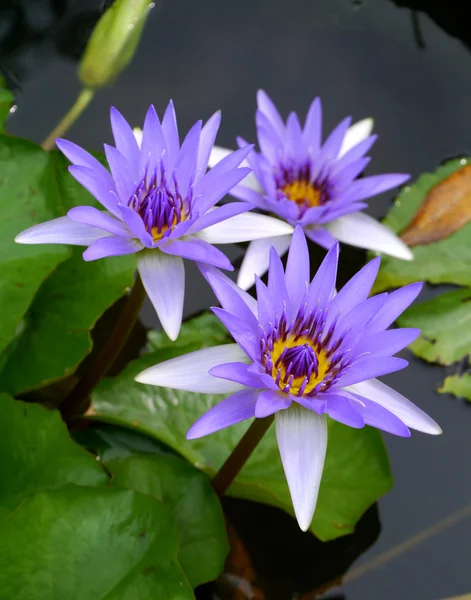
column 410, row 70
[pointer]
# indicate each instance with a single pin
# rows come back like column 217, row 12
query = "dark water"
column 409, row 70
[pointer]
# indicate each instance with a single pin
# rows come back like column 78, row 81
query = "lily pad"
column 85, row 543
column 55, row 332
column 457, row 385
column 356, row 473
column 192, row 502
column 444, row 261
column 6, row 102
column 29, row 194
column 202, row 331
column 39, row 454
column 445, row 322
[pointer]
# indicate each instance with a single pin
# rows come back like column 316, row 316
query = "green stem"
column 74, row 402
column 83, row 100
column 241, row 453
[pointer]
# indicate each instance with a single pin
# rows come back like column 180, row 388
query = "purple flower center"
column 297, row 185
column 160, row 206
column 301, row 357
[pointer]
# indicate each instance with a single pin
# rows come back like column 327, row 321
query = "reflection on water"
column 363, row 59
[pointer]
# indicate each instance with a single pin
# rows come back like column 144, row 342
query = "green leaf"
column 356, row 473
column 445, row 322
column 6, row 102
column 203, row 331
column 82, row 543
column 437, row 262
column 188, row 495
column 28, row 195
column 55, row 334
column 38, row 454
column 457, row 385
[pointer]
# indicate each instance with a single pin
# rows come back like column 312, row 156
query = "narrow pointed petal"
column 245, row 228
column 102, row 188
column 313, row 127
column 61, row 231
column 125, row 140
column 187, row 158
column 238, row 407
column 136, row 225
column 396, row 303
column 268, row 108
column 217, row 154
column 277, row 285
column 219, row 284
column 257, row 258
column 340, row 409
column 370, row 367
column 361, row 230
column 242, row 332
column 198, row 250
column 399, row 405
column 322, row 287
column 357, row 133
column 210, row 190
column 302, row 440
column 190, row 372
column 232, row 301
column 386, row 343
column 238, row 372
column 297, row 274
column 163, row 277
column 355, row 291
column 170, row 131
column 88, row 215
column 219, row 214
column 207, row 138
column 111, row 246
column 270, row 402
column 377, row 416
column 153, row 141
column 320, row 236
column 125, row 180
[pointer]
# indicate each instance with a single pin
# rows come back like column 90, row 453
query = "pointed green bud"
column 113, row 42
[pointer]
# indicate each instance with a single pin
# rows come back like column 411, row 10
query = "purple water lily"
column 159, row 202
column 301, row 180
column 303, row 352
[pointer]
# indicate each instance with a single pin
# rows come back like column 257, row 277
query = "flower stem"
column 241, row 453
column 74, row 401
column 83, row 100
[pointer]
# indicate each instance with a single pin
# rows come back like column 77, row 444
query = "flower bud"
column 113, row 42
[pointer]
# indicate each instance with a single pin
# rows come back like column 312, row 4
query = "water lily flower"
column 303, row 353
column 159, row 203
column 302, row 180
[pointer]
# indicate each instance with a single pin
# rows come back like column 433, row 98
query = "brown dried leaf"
column 446, row 208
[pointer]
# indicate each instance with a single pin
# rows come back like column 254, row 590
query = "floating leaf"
column 39, row 453
column 356, row 471
column 193, row 504
column 90, row 543
column 29, row 194
column 6, row 102
column 457, row 385
column 446, row 208
column 445, row 322
column 202, row 331
column 445, row 261
column 55, row 334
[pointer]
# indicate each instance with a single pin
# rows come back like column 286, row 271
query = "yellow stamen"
column 303, row 193
column 323, row 367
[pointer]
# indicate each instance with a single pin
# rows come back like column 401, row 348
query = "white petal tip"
column 144, row 377
column 138, row 135
column 245, row 281
column 21, row 238
column 304, row 522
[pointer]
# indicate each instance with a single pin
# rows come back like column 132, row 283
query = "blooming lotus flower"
column 301, row 180
column 303, row 353
column 159, row 202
